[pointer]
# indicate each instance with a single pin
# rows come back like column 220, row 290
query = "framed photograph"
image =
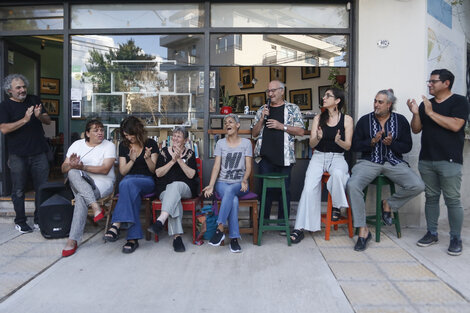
column 51, row 106
column 238, row 104
column 321, row 93
column 310, row 72
column 301, row 97
column 49, row 86
column 277, row 73
column 256, row 100
column 246, row 76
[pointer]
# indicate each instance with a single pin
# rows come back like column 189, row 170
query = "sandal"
column 130, row 246
column 296, row 236
column 335, row 214
column 110, row 235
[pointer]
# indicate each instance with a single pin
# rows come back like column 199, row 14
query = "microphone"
column 268, row 103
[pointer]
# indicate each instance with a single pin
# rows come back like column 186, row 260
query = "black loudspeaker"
column 55, row 210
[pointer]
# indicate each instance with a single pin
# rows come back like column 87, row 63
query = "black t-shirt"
column 438, row 143
column 140, row 166
column 28, row 139
column 272, row 147
column 327, row 142
column 176, row 173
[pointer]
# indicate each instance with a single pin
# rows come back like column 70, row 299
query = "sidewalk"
column 314, row 276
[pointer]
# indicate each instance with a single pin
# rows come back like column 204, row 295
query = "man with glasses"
column 21, row 119
column 382, row 137
column 276, row 125
column 442, row 121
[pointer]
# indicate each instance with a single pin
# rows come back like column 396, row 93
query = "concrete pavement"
column 314, row 276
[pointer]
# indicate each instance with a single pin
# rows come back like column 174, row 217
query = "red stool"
column 326, row 217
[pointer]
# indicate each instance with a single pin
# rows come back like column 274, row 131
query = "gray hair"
column 390, row 97
column 181, row 129
column 10, row 78
column 281, row 84
column 234, row 116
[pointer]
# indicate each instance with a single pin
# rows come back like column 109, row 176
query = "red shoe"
column 66, row 253
column 99, row 216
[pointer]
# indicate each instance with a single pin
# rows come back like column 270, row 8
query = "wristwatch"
column 184, row 160
column 285, row 128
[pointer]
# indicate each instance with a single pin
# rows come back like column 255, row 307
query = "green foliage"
column 227, row 100
column 100, row 67
column 332, row 77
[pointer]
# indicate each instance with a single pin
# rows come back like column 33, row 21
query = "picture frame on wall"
column 277, row 73
column 50, row 86
column 51, row 106
column 301, row 97
column 239, row 102
column 246, row 77
column 321, row 93
column 256, row 100
column 310, row 72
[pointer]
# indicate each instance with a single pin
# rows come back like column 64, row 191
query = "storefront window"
column 279, row 49
column 279, row 15
column 152, row 77
column 45, row 17
column 137, row 15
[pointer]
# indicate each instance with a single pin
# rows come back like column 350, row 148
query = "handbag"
column 211, row 219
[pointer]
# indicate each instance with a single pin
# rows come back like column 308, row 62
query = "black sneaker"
column 178, row 244
column 217, row 238
column 455, row 246
column 234, row 246
column 156, row 228
column 427, row 240
column 23, row 228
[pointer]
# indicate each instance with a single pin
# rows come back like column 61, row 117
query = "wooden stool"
column 381, row 181
column 273, row 180
column 326, row 217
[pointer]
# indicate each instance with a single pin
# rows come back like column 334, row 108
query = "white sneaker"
column 36, row 227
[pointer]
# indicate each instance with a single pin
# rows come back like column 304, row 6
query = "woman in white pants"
column 330, row 136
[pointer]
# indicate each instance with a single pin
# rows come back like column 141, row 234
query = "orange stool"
column 326, row 217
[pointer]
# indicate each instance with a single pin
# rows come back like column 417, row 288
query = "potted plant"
column 227, row 103
column 337, row 80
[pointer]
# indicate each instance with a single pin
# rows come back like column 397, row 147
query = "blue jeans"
column 229, row 206
column 446, row 177
column 20, row 166
column 127, row 210
column 274, row 194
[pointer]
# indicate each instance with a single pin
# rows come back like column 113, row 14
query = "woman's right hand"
column 133, row 154
column 319, row 133
column 208, row 191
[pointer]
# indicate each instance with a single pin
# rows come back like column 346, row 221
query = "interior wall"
column 230, row 76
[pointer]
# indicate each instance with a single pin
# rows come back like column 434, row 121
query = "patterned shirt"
column 292, row 117
column 366, row 129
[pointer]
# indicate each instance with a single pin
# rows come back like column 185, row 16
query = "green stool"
column 273, row 180
column 381, row 181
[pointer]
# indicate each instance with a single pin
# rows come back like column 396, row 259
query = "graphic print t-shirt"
column 232, row 167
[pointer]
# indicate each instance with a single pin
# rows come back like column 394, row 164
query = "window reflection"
column 136, row 15
column 31, row 17
column 279, row 49
column 279, row 15
column 154, row 77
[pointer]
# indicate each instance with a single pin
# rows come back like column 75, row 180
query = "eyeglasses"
column 433, row 81
column 272, row 90
column 328, row 95
column 379, row 101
